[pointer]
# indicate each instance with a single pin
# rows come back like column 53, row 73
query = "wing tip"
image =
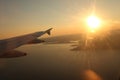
column 49, row 31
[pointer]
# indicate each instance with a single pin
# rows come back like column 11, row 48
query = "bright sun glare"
column 93, row 22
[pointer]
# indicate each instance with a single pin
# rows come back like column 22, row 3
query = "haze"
column 68, row 53
column 19, row 17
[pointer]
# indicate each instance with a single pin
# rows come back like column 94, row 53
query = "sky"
column 19, row 17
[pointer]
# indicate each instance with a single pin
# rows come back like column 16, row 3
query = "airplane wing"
column 7, row 45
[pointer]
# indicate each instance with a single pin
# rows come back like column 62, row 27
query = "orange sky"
column 20, row 17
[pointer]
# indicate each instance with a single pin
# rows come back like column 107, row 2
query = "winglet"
column 48, row 31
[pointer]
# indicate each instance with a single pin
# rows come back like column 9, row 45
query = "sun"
column 93, row 22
